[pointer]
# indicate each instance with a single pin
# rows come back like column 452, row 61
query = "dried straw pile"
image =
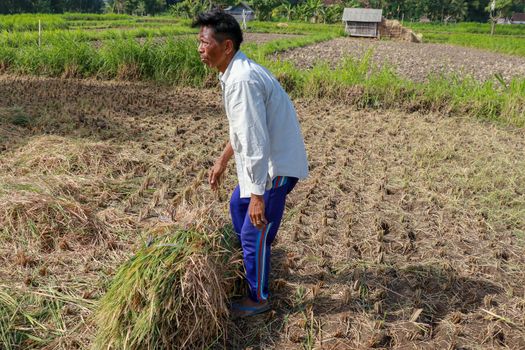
column 170, row 295
column 28, row 215
column 60, row 155
column 42, row 318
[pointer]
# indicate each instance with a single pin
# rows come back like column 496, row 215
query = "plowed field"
column 410, row 60
column 409, row 233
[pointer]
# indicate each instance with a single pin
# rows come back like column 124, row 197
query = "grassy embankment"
column 20, row 30
column 467, row 28
column 176, row 62
column 118, row 55
column 29, row 22
column 508, row 39
column 23, row 22
column 368, row 86
column 29, row 38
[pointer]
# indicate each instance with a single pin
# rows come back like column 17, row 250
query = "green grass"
column 88, row 25
column 94, row 17
column 22, row 22
column 139, row 21
column 175, row 61
column 27, row 38
column 370, row 87
column 152, row 29
column 35, row 318
column 295, row 27
column 467, row 28
column 170, row 294
column 260, row 52
column 29, row 22
column 508, row 39
column 512, row 45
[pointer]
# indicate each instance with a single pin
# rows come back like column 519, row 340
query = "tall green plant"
column 285, row 10
column 189, row 8
column 264, row 8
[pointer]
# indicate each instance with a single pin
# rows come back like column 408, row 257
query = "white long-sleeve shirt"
column 264, row 130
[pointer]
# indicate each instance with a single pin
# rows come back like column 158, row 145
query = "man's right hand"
column 214, row 176
column 216, row 171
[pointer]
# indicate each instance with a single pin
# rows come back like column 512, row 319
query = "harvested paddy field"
column 255, row 38
column 409, row 232
column 411, row 60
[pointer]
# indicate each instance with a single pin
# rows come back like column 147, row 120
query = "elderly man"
column 265, row 139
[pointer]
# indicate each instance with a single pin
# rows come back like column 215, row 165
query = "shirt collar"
column 223, row 77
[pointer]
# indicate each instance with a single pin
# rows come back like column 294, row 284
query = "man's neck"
column 222, row 68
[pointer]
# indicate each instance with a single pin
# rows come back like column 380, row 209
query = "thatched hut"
column 362, row 22
column 517, row 18
column 238, row 10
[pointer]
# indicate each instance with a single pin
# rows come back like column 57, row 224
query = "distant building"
column 362, row 22
column 236, row 11
column 517, row 18
column 503, row 20
column 424, row 19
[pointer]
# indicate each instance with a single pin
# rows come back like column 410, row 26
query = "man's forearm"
column 220, row 166
column 227, row 153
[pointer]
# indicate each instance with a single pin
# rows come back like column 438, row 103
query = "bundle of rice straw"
column 25, row 215
column 50, row 154
column 171, row 294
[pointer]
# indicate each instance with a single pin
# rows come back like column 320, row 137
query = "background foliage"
column 316, row 11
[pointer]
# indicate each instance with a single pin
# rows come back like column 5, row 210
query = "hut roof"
column 241, row 5
column 362, row 15
column 518, row 17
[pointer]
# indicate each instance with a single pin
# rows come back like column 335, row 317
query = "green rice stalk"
column 171, row 295
column 38, row 318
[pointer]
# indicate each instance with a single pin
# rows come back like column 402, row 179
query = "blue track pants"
column 256, row 244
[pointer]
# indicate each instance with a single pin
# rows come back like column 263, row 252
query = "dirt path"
column 409, row 233
column 414, row 61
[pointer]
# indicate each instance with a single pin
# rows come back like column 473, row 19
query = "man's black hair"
column 224, row 26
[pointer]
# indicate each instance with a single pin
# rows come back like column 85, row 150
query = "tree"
column 118, row 6
column 285, row 10
column 140, row 10
column 454, row 9
column 476, row 11
column 334, row 13
column 314, row 10
column 154, row 7
column 499, row 9
column 41, row 6
column 264, row 8
column 50, row 6
column 56, row 6
column 302, row 12
column 504, row 8
column 130, row 6
column 189, row 8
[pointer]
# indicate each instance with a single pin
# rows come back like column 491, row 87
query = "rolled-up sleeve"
column 245, row 100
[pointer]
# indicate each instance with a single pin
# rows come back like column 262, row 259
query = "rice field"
column 409, row 232
column 507, row 39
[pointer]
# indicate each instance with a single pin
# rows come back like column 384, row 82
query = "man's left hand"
column 256, row 211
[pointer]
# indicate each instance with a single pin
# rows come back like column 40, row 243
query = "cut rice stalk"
column 40, row 218
column 60, row 155
column 171, row 294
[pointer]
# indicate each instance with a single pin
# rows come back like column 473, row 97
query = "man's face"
column 213, row 53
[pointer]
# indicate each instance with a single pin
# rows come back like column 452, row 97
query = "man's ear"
column 229, row 46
